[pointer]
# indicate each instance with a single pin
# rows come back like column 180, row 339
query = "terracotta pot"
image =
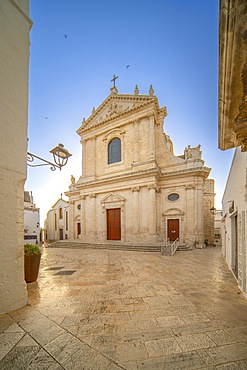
column 32, row 262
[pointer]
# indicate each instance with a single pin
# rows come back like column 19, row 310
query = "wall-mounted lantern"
column 214, row 211
column 60, row 156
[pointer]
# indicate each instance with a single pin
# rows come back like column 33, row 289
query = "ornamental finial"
column 151, row 90
column 136, row 92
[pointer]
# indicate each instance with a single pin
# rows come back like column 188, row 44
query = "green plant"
column 31, row 249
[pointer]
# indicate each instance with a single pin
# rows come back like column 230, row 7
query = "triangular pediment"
column 112, row 198
column 60, row 203
column 114, row 106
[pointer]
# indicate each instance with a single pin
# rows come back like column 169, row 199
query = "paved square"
column 128, row 310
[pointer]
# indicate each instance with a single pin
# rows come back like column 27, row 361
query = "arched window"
column 66, row 220
column 55, row 221
column 60, row 213
column 114, row 151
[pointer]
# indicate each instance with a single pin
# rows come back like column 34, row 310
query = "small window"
column 173, row 196
column 114, row 151
column 60, row 213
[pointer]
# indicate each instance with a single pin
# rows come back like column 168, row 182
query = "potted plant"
column 32, row 255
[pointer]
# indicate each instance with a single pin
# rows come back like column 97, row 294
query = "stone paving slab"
column 128, row 310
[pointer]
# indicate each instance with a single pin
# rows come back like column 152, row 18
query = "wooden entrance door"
column 114, row 224
column 78, row 229
column 61, row 234
column 173, row 229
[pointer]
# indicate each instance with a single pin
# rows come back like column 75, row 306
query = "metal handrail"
column 166, row 245
column 174, row 246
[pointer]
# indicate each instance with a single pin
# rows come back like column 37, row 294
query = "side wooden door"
column 173, row 229
column 114, row 224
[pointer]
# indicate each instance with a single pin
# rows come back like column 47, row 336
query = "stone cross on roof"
column 114, row 80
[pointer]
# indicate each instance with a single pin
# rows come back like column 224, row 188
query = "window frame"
column 110, row 160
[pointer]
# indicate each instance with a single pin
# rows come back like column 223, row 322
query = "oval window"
column 173, row 196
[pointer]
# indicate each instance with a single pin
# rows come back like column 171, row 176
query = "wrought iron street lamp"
column 214, row 211
column 60, row 156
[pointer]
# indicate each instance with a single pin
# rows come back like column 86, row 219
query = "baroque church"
column 133, row 188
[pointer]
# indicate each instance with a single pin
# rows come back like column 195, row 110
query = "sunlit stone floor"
column 101, row 309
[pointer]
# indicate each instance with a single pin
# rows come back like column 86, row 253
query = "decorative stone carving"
column 72, row 179
column 193, row 153
column 151, row 91
column 114, row 90
column 136, row 92
column 135, row 189
column 190, row 186
column 155, row 187
column 244, row 146
column 242, row 116
column 114, row 109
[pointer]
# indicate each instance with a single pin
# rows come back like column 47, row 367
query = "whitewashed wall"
column 236, row 191
column 14, row 63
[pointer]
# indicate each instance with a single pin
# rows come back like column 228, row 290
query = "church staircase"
column 112, row 246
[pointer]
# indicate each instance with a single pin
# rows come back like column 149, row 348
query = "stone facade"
column 233, row 74
column 57, row 221
column 145, row 195
column 14, row 62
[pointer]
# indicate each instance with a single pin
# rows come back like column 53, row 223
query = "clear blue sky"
column 76, row 48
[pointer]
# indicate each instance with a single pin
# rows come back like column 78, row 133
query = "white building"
column 133, row 188
column 217, row 228
column 31, row 220
column 15, row 26
column 233, row 132
column 234, row 229
column 57, row 222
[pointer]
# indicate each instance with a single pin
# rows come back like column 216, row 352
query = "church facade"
column 133, row 188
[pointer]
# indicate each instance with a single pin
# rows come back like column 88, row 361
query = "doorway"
column 61, row 234
column 173, row 229
column 113, row 224
column 78, row 229
column 235, row 245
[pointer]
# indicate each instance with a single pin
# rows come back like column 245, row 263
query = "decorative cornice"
column 135, row 189
column 22, row 13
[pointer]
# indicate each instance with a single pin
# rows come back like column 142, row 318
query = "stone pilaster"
column 84, row 166
column 136, row 203
column 93, row 231
column 83, row 220
column 82, row 158
column 136, row 142
column 152, row 137
column 152, row 208
column 190, row 214
column 71, row 220
column 94, row 155
column 200, row 214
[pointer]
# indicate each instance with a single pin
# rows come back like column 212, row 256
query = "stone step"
column 122, row 247
column 184, row 247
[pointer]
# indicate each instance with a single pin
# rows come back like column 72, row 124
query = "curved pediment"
column 173, row 212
